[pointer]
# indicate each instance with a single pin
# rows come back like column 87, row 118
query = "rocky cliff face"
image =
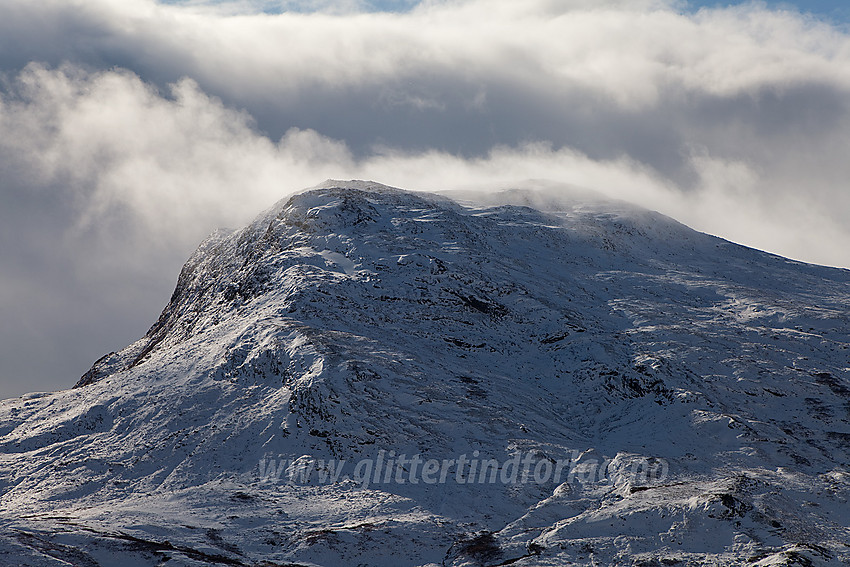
column 369, row 376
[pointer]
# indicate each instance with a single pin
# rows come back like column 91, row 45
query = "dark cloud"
column 129, row 130
column 58, row 301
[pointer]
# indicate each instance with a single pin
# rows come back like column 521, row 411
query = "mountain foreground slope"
column 367, row 376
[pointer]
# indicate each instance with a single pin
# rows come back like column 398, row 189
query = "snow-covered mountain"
column 367, row 376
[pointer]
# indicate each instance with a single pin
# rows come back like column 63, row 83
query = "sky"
column 131, row 129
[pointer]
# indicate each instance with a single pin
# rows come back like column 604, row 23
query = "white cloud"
column 166, row 167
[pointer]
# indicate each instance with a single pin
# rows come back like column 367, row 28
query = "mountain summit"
column 368, row 376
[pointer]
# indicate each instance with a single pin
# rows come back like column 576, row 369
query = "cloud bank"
column 129, row 130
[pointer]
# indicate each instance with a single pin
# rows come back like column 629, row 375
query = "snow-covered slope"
column 641, row 394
